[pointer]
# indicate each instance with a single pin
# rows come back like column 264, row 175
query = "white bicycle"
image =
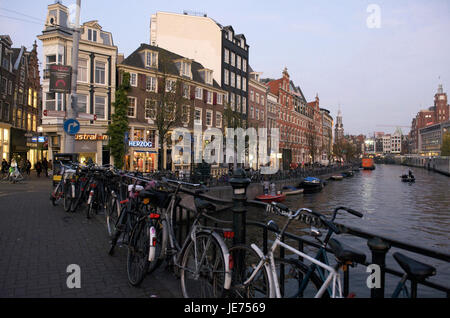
column 255, row 274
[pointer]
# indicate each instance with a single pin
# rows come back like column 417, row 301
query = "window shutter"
column 205, row 95
column 215, row 99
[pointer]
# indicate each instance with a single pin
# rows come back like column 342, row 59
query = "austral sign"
column 140, row 144
column 60, row 79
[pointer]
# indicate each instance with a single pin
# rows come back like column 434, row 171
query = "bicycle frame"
column 269, row 260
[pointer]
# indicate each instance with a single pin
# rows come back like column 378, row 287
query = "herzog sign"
column 140, row 144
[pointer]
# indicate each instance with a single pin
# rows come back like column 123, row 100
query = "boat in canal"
column 408, row 178
column 268, row 198
column 337, row 177
column 347, row 174
column 289, row 190
column 368, row 164
column 311, row 184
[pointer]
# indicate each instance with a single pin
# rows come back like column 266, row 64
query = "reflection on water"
column 417, row 213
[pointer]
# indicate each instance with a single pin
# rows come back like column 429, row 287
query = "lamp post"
column 239, row 182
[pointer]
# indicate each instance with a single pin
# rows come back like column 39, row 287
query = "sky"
column 380, row 62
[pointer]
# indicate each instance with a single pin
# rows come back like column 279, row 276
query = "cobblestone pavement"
column 38, row 242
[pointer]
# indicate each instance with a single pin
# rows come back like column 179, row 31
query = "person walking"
column 28, row 167
column 38, row 167
column 45, row 167
column 5, row 167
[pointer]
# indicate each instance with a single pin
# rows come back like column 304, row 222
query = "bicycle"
column 300, row 279
column 59, row 191
column 259, row 278
column 202, row 261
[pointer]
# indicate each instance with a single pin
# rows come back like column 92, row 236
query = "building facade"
column 95, row 87
column 151, row 69
column 431, row 137
column 20, row 103
column 339, row 128
column 327, row 136
column 216, row 47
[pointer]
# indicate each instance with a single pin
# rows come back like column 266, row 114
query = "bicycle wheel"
column 67, row 198
column 245, row 261
column 203, row 268
column 295, row 281
column 137, row 257
column 112, row 215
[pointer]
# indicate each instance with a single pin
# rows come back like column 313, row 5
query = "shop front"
column 5, row 134
column 142, row 157
column 92, row 148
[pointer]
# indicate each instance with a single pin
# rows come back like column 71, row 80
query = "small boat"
column 289, row 190
column 368, row 164
column 347, row 174
column 271, row 198
column 337, row 177
column 407, row 178
column 311, row 184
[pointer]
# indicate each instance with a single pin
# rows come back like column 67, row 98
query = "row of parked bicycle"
column 141, row 213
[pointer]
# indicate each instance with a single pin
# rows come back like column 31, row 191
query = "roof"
column 136, row 60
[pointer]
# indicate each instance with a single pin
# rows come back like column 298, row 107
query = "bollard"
column 379, row 249
column 239, row 183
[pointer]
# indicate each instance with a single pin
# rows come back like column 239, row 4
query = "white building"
column 95, row 89
column 396, row 141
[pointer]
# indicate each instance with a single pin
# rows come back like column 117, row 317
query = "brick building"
column 20, row 102
column 438, row 113
column 203, row 103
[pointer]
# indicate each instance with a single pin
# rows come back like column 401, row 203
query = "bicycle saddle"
column 414, row 268
column 345, row 253
column 204, row 205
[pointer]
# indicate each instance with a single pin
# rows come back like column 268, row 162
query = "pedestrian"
column 38, row 167
column 45, row 167
column 5, row 166
column 50, row 167
column 28, row 167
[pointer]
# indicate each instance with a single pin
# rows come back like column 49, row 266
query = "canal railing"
column 378, row 245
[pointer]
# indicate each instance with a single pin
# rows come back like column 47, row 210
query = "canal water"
column 417, row 213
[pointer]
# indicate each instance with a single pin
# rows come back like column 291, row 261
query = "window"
column 100, row 72
column 29, row 122
column 244, row 105
column 198, row 93
column 252, row 113
column 226, row 77
column 92, row 35
column 244, row 65
column 186, row 91
column 4, row 85
column 208, row 77
column 209, row 115
column 150, row 109
column 50, row 60
column 198, row 116
column 34, row 123
column 262, row 115
column 252, row 95
column 50, row 101
column 151, row 84
column 262, row 100
column 238, row 103
column 99, row 107
column 209, row 99
column 186, row 114
column 244, row 84
column 170, row 86
column 233, row 59
column 151, row 59
column 82, row 103
column 82, row 70
column 238, row 81
column 239, row 62
column 185, row 69
column 218, row 120
column 227, row 56
column 219, row 99
column 232, row 101
column 233, row 79
column 131, row 107
column 133, row 79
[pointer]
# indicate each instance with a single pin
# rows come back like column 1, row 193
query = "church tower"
column 339, row 130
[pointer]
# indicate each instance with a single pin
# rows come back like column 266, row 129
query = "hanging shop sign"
column 90, row 137
column 60, row 79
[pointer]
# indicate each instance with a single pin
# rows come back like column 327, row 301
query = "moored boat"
column 337, row 177
column 408, row 178
column 268, row 198
column 289, row 190
column 311, row 184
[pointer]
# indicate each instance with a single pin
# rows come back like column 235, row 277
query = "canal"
column 417, row 213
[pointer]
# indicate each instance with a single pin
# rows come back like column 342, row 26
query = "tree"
column 312, row 142
column 119, row 124
column 445, row 149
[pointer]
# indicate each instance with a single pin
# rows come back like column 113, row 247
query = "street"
column 38, row 242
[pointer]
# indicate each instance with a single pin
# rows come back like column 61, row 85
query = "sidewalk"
column 39, row 241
